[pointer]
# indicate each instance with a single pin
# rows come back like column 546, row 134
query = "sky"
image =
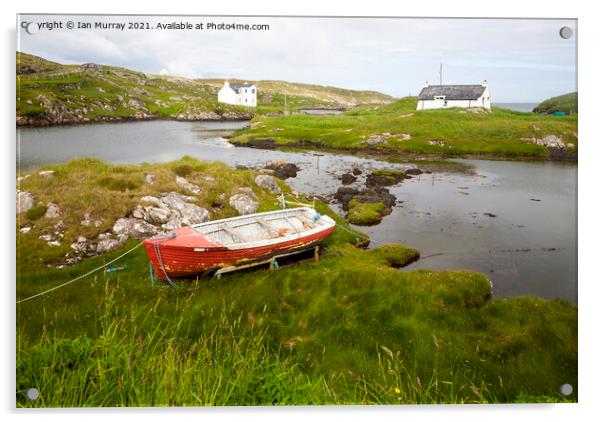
column 523, row 60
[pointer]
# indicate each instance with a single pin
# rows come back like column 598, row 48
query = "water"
column 529, row 247
column 517, row 106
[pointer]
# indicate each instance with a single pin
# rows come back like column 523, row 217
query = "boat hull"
column 195, row 257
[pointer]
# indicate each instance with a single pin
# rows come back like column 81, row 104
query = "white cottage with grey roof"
column 448, row 96
column 238, row 94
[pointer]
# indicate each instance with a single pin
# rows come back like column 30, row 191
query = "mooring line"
column 81, row 276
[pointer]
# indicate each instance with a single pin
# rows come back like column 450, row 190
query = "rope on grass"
column 81, row 276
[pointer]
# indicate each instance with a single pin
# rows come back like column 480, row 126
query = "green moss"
column 394, row 255
column 363, row 213
column 36, row 212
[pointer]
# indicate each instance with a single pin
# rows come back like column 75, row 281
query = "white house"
column 447, row 96
column 238, row 94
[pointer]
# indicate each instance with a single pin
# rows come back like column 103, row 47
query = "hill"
column 50, row 93
column 567, row 103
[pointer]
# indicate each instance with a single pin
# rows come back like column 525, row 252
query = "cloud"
column 526, row 59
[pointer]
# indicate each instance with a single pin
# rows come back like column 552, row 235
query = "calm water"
column 529, row 247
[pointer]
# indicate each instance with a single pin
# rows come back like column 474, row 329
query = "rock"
column 345, row 194
column 103, row 236
column 283, row 170
column 405, row 136
column 98, row 223
column 107, row 245
column 356, row 171
column 385, row 177
column 153, row 200
column 54, row 243
column 375, row 140
column 188, row 213
column 267, row 182
column 25, row 230
column 553, row 141
column 134, row 228
column 488, row 214
column 87, row 220
column 24, row 201
column 150, row 179
column 191, row 187
column 414, row 172
column 21, row 178
column 80, row 246
column 52, row 211
column 45, row 237
column 548, row 141
column 437, row 142
column 348, row 178
column 46, row 173
column 243, row 203
column 155, row 215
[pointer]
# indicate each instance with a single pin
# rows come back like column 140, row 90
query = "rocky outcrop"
column 24, row 201
column 52, row 211
column 244, row 202
column 267, row 182
column 190, row 187
column 134, row 228
column 282, row 170
column 348, row 178
column 548, row 141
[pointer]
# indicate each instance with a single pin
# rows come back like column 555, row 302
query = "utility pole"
column 440, row 74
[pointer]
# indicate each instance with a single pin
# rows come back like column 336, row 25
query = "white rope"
column 81, row 276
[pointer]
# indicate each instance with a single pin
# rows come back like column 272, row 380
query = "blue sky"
column 523, row 60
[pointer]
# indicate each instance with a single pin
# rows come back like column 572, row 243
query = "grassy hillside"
column 567, row 103
column 349, row 329
column 271, row 96
column 397, row 128
column 51, row 93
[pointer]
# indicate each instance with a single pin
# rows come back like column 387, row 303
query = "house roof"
column 452, row 92
column 237, row 87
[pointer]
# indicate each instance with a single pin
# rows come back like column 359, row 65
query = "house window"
column 439, row 97
column 253, row 91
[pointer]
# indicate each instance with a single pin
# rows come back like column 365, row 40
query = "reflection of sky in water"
column 528, row 248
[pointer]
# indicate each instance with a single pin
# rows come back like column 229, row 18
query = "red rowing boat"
column 231, row 242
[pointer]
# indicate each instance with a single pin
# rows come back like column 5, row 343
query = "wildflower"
column 397, row 390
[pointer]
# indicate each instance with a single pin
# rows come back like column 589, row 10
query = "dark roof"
column 452, row 92
column 236, row 87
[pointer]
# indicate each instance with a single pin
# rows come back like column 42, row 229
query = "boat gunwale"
column 330, row 223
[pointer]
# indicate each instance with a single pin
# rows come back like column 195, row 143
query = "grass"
column 567, row 103
column 350, row 329
column 435, row 133
column 365, row 213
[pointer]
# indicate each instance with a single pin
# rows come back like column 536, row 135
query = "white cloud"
column 526, row 59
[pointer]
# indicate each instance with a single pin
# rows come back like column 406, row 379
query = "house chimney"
column 484, row 83
column 426, row 84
